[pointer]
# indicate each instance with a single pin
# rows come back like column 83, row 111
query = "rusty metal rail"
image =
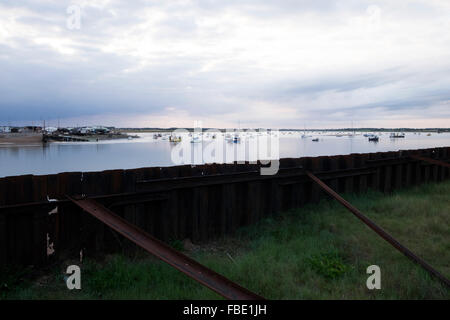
column 179, row 261
column 430, row 160
column 386, row 236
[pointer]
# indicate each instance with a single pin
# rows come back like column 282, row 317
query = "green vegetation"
column 330, row 264
column 316, row 252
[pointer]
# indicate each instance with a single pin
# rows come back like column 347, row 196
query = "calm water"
column 147, row 152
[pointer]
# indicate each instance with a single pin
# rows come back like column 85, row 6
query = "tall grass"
column 320, row 251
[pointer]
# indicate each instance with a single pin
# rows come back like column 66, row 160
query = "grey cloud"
column 38, row 82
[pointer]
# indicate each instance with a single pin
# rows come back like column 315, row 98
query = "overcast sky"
column 268, row 63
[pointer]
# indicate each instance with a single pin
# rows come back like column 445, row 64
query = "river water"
column 148, row 152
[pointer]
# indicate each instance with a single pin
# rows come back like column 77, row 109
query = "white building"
column 86, row 130
column 50, row 129
column 5, row 129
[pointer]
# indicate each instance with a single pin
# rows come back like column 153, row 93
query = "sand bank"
column 20, row 139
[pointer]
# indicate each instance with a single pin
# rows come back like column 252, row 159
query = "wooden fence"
column 196, row 202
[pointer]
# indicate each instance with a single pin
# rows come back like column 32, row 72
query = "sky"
column 271, row 63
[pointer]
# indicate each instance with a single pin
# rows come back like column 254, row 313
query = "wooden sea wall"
column 195, row 202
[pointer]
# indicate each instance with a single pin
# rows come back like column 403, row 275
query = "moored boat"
column 397, row 135
column 174, row 139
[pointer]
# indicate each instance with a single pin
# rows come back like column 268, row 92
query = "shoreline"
column 86, row 137
column 20, row 139
column 38, row 139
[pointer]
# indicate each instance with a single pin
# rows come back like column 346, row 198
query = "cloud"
column 266, row 63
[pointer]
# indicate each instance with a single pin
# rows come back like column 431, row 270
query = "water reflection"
column 146, row 152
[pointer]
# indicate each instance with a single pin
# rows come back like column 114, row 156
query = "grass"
column 320, row 251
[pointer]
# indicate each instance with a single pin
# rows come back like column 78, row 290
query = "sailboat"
column 397, row 135
column 175, row 139
column 352, row 134
column 197, row 137
column 237, row 137
column 304, row 133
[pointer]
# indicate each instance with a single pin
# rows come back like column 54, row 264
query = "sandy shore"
column 20, row 139
column 35, row 139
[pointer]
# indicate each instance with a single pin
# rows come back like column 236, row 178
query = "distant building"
column 93, row 130
column 33, row 128
column 51, row 129
column 101, row 130
column 65, row 130
column 85, row 130
column 5, row 129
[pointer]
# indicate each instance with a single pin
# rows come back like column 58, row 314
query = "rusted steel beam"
column 179, row 261
column 297, row 175
column 110, row 200
column 330, row 175
column 433, row 161
column 137, row 200
column 216, row 175
column 29, row 208
column 152, row 187
column 386, row 236
column 168, row 184
column 395, row 160
column 162, row 186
